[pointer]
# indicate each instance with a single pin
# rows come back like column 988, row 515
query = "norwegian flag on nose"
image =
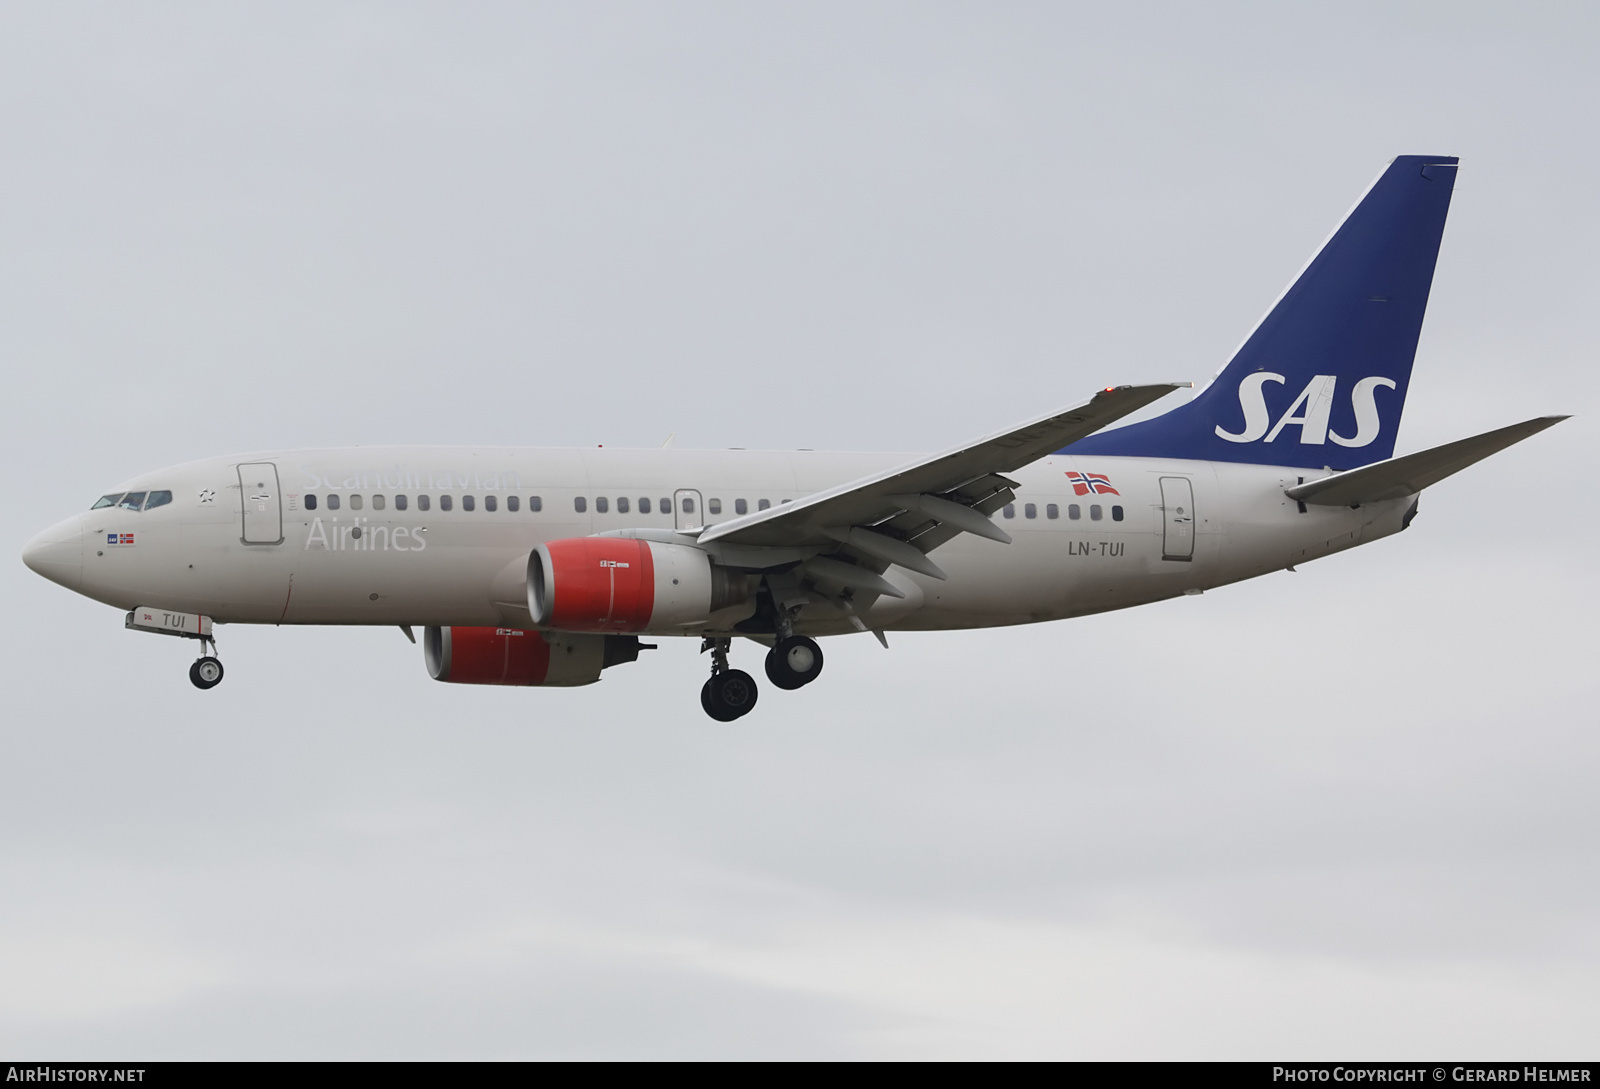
column 1091, row 484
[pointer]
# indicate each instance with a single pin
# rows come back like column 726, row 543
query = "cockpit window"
column 158, row 499
column 132, row 501
column 106, row 501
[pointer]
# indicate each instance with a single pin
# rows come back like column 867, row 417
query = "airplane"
column 544, row 567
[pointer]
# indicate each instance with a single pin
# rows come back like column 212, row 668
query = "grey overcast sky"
column 1345, row 812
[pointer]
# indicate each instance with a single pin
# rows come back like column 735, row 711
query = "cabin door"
column 263, row 505
column 1177, row 518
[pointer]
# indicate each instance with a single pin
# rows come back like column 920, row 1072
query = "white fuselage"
column 347, row 556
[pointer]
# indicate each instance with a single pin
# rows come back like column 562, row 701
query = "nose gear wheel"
column 206, row 673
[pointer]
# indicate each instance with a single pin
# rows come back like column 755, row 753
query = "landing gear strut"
column 206, row 672
column 730, row 693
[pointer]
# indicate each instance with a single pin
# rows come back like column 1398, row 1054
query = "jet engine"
column 619, row 584
column 512, row 656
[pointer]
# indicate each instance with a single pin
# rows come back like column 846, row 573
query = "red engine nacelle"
column 618, row 584
column 511, row 656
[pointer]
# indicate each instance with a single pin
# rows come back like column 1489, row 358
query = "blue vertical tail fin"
column 1321, row 380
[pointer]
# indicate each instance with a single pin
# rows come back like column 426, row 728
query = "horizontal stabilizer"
column 1400, row 477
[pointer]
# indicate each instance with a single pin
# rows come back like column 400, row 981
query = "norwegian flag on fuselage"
column 1091, row 484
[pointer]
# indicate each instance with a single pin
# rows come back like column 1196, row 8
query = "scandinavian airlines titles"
column 360, row 538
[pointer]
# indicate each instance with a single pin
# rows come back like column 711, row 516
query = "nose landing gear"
column 207, row 670
column 206, row 673
column 730, row 693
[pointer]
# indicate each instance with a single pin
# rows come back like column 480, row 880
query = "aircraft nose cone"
column 57, row 553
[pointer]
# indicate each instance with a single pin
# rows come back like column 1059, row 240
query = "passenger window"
column 333, row 502
column 1052, row 511
column 378, row 502
column 665, row 506
column 132, row 501
column 741, row 507
column 399, row 502
column 1116, row 514
column 1010, row 510
column 688, row 505
column 1074, row 512
column 601, row 504
column 714, row 506
column 355, row 502
column 158, row 499
column 1095, row 513
column 106, row 501
column 622, row 504
column 535, row 504
column 1030, row 510
column 763, row 504
column 491, row 503
column 580, row 504
column 423, row 502
column 644, row 505
column 311, row 501
column 513, row 503
column 468, row 502
column 446, row 502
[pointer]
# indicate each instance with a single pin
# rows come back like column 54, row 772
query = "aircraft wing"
column 1403, row 476
column 915, row 508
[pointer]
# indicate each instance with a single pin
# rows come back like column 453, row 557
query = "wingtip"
column 1147, row 388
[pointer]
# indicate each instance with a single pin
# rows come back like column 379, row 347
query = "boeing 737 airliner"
column 535, row 566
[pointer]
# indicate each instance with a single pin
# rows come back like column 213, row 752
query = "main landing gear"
column 793, row 662
column 730, row 693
